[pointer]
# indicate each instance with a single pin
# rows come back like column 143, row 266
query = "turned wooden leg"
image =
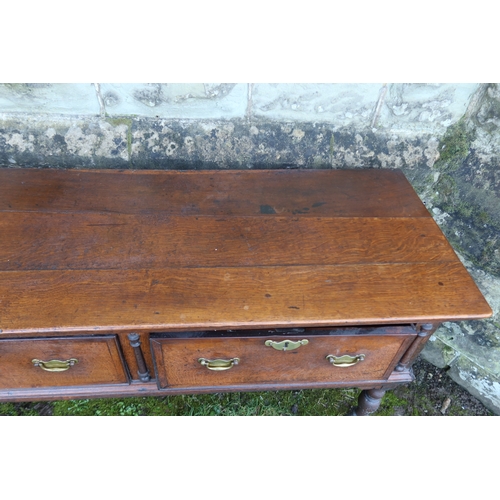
column 135, row 342
column 368, row 402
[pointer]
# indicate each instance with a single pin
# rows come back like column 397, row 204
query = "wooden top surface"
column 168, row 250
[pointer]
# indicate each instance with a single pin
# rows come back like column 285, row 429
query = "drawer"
column 85, row 361
column 253, row 360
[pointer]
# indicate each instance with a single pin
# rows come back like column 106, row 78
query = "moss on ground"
column 392, row 405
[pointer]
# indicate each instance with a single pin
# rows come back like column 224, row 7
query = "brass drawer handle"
column 345, row 361
column 54, row 365
column 219, row 364
column 286, row 345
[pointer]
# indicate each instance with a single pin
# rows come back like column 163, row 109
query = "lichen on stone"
column 454, row 147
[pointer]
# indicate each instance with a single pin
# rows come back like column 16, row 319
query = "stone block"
column 438, row 353
column 43, row 98
column 410, row 108
column 175, row 100
column 479, row 341
column 64, row 142
column 341, row 104
column 482, row 384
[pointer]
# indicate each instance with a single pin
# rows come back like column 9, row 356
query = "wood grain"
column 99, row 362
column 141, row 251
column 45, row 241
column 325, row 193
column 199, row 298
column 178, row 366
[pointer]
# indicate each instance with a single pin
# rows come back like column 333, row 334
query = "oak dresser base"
column 153, row 283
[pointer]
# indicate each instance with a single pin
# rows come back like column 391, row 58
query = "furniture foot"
column 368, row 402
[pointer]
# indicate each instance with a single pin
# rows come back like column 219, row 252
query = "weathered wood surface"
column 178, row 366
column 33, row 241
column 198, row 298
column 334, row 193
column 98, row 362
column 153, row 251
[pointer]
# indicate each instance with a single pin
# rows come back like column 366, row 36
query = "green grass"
column 316, row 402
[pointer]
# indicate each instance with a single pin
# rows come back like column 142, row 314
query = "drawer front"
column 85, row 361
column 371, row 357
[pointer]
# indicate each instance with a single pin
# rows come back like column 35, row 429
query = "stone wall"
column 445, row 138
